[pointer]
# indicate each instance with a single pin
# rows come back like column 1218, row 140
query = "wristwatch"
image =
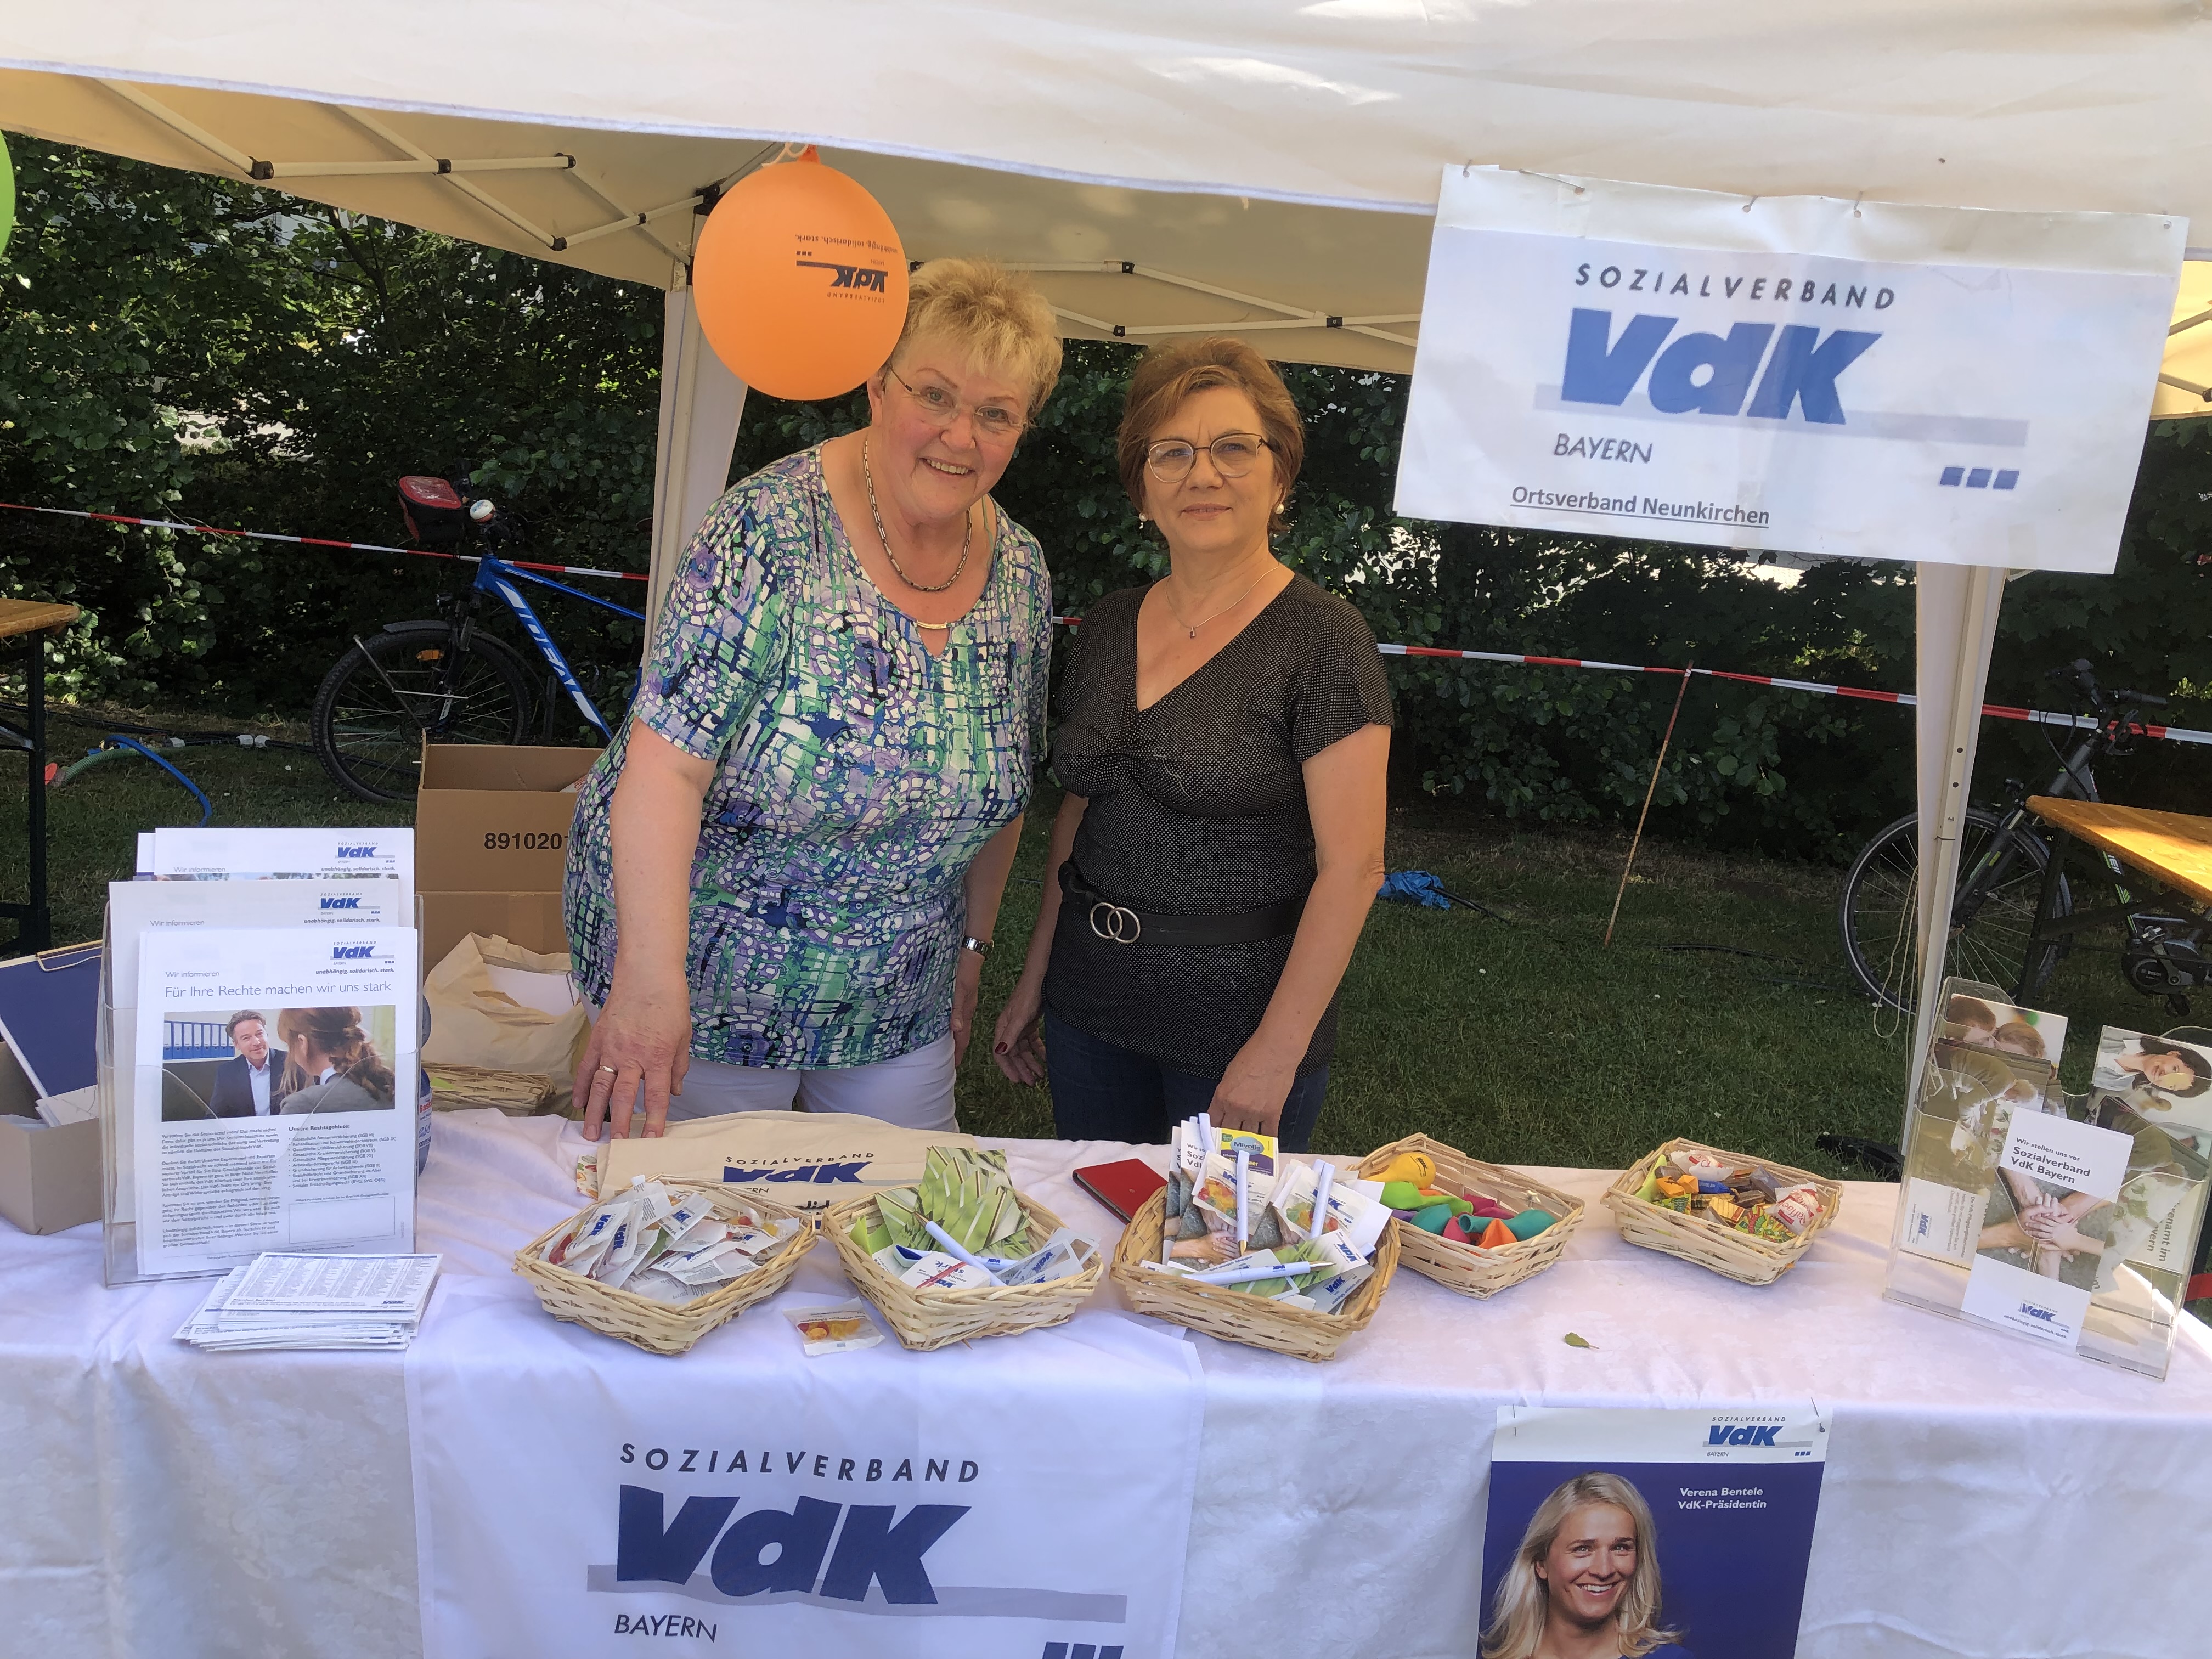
column 982, row 947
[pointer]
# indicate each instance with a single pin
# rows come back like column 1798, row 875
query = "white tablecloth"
column 1982, row 1498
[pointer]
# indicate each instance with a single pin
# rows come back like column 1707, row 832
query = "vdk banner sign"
column 1792, row 373
column 1027, row 1500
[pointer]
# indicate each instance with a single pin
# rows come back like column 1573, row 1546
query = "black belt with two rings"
column 1122, row 924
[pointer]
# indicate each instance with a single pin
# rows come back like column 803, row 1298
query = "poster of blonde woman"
column 1619, row 1535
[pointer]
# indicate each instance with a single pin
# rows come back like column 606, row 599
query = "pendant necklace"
column 1191, row 629
column 967, row 535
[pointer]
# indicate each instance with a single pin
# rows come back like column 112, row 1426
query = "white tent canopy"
column 1246, row 166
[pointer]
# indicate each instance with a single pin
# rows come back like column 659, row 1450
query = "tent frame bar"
column 265, row 170
column 418, row 160
column 1296, row 316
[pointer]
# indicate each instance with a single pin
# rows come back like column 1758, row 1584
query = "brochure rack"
column 2069, row 1220
column 327, row 1168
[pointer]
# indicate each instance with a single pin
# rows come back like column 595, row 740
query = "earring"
column 1141, row 519
column 1282, row 507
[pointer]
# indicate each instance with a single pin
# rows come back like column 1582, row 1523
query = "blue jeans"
column 1103, row 1092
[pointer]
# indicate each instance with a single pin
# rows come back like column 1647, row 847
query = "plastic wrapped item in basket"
column 1256, row 1321
column 1469, row 1269
column 927, row 1320
column 665, row 1326
column 1732, row 1252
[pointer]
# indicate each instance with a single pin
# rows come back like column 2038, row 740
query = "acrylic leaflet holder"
column 2068, row 1220
column 258, row 1086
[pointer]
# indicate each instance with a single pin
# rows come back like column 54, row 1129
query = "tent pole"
column 701, row 402
column 1956, row 624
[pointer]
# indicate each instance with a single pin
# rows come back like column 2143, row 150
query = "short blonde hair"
column 997, row 317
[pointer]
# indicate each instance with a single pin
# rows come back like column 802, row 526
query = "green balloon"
column 7, row 195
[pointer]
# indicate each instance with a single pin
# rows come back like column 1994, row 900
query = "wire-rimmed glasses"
column 940, row 408
column 1234, row 454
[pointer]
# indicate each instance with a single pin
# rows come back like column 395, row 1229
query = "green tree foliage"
column 179, row 346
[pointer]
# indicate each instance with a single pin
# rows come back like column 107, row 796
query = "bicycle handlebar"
column 2082, row 677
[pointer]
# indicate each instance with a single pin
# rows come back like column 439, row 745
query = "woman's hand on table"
column 1014, row 1042
column 967, row 989
column 643, row 1036
column 1251, row 1092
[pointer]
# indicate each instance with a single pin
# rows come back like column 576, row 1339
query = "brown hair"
column 337, row 1033
column 1166, row 375
column 998, row 318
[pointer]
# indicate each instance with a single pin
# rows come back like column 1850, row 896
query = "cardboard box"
column 530, row 920
column 49, row 1177
column 491, row 819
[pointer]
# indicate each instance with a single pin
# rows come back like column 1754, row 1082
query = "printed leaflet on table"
column 329, row 1168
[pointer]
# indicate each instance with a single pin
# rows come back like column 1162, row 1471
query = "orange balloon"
column 800, row 280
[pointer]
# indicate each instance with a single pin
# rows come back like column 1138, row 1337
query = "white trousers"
column 913, row 1091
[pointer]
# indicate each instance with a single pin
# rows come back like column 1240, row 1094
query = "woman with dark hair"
column 2172, row 1068
column 330, row 1064
column 1584, row 1584
column 1223, row 741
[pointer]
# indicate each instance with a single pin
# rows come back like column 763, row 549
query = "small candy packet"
column 836, row 1327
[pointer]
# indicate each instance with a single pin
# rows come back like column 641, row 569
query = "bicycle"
column 2001, row 867
column 446, row 681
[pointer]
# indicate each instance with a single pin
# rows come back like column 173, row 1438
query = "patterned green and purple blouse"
column 857, row 777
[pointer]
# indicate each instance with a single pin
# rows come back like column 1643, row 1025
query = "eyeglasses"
column 941, row 409
column 1234, row 454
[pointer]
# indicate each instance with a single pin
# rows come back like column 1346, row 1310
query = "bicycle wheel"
column 1879, row 913
column 383, row 697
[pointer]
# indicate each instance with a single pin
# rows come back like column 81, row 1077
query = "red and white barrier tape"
column 318, row 541
column 1994, row 710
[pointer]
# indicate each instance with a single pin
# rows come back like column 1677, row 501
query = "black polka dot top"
column 1197, row 806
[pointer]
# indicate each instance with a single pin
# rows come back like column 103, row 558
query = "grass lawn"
column 1527, row 1041
column 1520, row 1042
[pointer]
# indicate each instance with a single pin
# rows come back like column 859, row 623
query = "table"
column 1982, row 1498
column 24, row 625
column 2171, row 848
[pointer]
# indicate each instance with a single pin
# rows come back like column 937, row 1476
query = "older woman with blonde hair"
column 1584, row 1584
column 785, row 868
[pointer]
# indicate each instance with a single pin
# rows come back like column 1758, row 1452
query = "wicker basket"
column 925, row 1320
column 1255, row 1320
column 663, row 1326
column 1469, row 1269
column 518, row 1094
column 1745, row 1257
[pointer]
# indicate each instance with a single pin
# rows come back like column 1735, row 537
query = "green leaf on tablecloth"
column 1574, row 1341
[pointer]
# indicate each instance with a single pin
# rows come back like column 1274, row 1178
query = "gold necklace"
column 967, row 535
